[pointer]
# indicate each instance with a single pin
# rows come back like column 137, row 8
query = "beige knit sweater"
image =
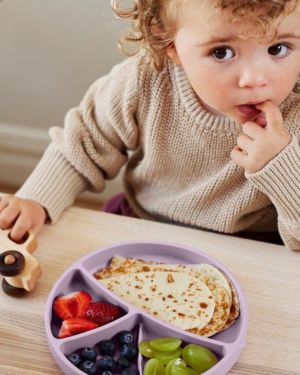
column 179, row 170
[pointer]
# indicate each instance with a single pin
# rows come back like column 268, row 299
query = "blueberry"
column 107, row 373
column 106, row 363
column 88, row 367
column 89, row 353
column 74, row 358
column 123, row 362
column 130, row 371
column 125, row 337
column 129, row 351
column 107, row 347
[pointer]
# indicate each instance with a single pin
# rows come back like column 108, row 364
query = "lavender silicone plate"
column 227, row 345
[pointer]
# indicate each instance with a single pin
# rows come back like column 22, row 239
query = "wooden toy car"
column 17, row 264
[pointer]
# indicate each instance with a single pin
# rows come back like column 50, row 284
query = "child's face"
column 231, row 72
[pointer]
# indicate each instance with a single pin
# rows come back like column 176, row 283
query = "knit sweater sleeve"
column 93, row 144
column 280, row 181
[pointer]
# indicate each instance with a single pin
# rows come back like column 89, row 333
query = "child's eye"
column 222, row 53
column 279, row 50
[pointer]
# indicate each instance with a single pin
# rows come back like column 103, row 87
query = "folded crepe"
column 174, row 297
column 226, row 304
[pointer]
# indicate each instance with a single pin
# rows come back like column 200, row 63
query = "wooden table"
column 269, row 274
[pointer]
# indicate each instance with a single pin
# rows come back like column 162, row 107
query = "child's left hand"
column 257, row 145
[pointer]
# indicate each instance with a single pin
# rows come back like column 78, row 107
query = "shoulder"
column 129, row 74
column 137, row 71
column 132, row 82
column 144, row 71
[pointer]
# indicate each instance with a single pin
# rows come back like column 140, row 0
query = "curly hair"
column 154, row 22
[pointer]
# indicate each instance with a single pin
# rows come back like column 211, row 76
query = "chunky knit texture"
column 177, row 154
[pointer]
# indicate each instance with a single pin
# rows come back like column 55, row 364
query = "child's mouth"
column 248, row 109
column 253, row 113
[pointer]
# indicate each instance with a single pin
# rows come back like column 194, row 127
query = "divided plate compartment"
column 227, row 345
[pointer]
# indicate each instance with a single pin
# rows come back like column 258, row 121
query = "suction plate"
column 227, row 345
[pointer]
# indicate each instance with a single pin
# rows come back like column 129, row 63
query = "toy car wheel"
column 12, row 290
column 12, row 263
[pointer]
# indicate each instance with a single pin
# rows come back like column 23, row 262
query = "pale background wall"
column 50, row 52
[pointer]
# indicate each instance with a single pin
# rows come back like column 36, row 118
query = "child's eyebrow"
column 236, row 37
column 288, row 35
column 217, row 39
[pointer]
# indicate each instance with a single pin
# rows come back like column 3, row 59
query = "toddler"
column 205, row 115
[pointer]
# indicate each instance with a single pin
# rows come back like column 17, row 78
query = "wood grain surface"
column 269, row 275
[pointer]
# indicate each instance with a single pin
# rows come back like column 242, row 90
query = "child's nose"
column 253, row 76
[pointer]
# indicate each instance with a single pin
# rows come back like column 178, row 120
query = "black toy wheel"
column 12, row 290
column 12, row 263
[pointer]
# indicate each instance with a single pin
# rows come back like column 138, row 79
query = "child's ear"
column 172, row 54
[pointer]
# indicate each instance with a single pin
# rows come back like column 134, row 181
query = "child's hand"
column 21, row 215
column 257, row 145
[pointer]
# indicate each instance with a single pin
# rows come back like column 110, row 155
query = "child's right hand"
column 22, row 215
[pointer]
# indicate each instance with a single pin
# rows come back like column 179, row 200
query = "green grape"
column 165, row 357
column 154, row 367
column 165, row 344
column 182, row 370
column 172, row 363
column 199, row 357
column 146, row 350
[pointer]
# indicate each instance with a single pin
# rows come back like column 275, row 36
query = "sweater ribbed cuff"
column 54, row 183
column 280, row 181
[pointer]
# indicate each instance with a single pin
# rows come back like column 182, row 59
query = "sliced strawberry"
column 72, row 305
column 102, row 312
column 73, row 326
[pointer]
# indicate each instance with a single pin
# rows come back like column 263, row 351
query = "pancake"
column 174, row 297
column 225, row 297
